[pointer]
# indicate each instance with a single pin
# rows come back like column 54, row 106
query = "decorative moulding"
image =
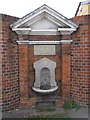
column 58, row 31
column 44, row 21
column 44, row 42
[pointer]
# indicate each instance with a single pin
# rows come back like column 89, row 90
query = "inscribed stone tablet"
column 44, row 50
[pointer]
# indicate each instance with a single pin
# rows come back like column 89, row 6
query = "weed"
column 70, row 105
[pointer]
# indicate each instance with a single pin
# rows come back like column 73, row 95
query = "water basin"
column 38, row 90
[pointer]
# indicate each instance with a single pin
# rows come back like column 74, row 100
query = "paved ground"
column 0, row 115
column 80, row 113
column 27, row 112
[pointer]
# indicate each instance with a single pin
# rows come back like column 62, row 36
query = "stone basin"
column 41, row 91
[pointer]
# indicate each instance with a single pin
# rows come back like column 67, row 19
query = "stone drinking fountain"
column 45, row 83
column 45, row 76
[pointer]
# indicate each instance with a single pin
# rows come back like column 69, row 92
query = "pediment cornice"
column 60, row 24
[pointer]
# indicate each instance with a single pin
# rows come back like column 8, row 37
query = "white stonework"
column 39, row 65
column 44, row 21
column 44, row 42
column 44, row 50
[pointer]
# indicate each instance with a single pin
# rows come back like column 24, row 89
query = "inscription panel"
column 44, row 50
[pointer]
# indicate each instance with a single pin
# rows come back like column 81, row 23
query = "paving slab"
column 26, row 112
column 0, row 115
column 80, row 113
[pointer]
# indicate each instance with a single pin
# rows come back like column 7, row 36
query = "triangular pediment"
column 44, row 20
column 43, row 24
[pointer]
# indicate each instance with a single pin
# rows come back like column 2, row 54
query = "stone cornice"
column 44, row 21
column 44, row 42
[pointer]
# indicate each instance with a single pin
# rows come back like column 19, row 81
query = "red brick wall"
column 80, row 61
column 27, row 72
column 57, row 58
column 66, row 71
column 10, row 76
column 16, row 65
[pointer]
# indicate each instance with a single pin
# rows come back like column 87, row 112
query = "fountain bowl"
column 48, row 91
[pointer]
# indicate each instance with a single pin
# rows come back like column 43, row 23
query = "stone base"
column 48, row 102
column 45, row 105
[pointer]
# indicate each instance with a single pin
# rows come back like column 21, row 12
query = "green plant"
column 70, row 105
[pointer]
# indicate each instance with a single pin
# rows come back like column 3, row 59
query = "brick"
column 18, row 74
column 9, row 61
column 80, row 69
